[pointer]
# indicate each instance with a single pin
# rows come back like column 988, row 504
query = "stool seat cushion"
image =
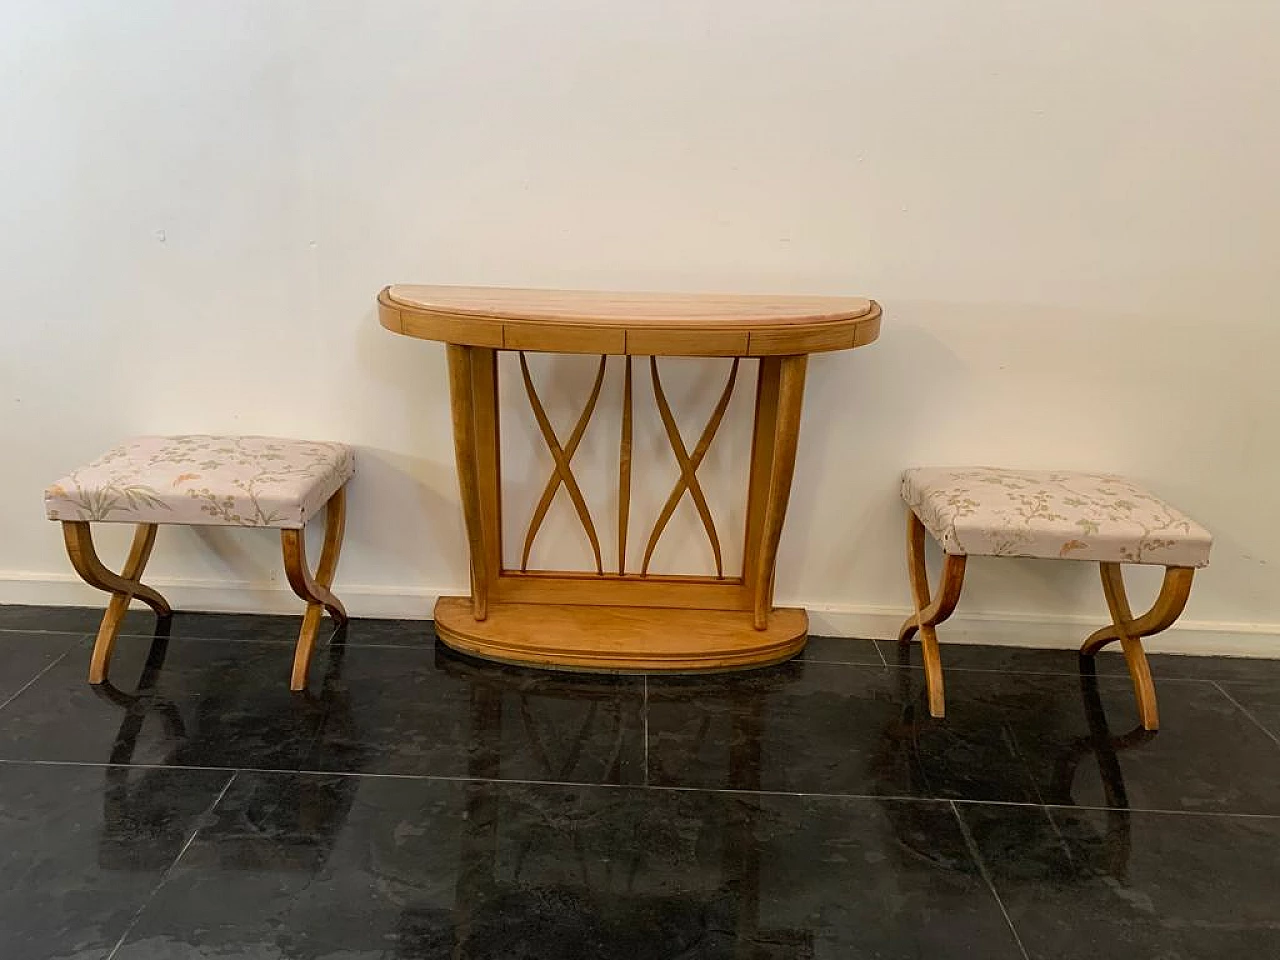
column 986, row 511
column 207, row 480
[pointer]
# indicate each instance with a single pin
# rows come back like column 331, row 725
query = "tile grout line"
column 669, row 788
column 986, row 876
column 842, row 663
column 49, row 666
column 42, row 632
column 1246, row 711
column 880, row 654
column 164, row 877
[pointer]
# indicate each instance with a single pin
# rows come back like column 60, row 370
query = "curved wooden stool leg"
column 123, row 586
column 315, row 590
column 930, row 613
column 1130, row 630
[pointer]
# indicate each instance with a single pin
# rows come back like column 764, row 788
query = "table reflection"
column 530, row 881
column 476, row 865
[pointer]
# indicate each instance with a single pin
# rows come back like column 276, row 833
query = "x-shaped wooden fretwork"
column 563, row 472
column 689, row 463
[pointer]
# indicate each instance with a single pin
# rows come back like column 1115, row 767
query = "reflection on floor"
column 417, row 804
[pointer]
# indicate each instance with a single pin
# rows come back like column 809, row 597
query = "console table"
column 613, row 618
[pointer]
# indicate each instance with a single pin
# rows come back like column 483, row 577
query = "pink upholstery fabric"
column 986, row 511
column 227, row 481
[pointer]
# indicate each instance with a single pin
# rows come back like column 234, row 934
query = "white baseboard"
column 223, row 596
column 1220, row 638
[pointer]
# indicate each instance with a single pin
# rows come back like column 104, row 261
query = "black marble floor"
column 417, row 804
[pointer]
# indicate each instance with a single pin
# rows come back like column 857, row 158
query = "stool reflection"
column 314, row 811
column 928, row 772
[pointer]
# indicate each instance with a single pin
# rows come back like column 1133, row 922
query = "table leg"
column 785, row 435
column 462, row 401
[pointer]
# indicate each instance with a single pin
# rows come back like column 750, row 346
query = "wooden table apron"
column 613, row 619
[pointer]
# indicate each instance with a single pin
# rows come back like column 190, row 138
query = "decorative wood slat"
column 624, row 468
column 688, row 464
column 563, row 471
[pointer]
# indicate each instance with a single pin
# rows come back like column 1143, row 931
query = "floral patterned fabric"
column 226, row 481
column 986, row 511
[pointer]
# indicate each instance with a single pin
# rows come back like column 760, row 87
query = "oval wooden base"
column 601, row 639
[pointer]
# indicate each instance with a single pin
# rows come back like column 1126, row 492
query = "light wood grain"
column 620, row 639
column 698, row 341
column 1125, row 627
column 688, row 464
column 563, row 468
column 786, row 437
column 765, row 342
column 628, row 308
column 780, row 330
column 625, row 590
column 462, row 406
column 563, row 338
column 123, row 587
column 485, row 419
column 569, row 321
column 930, row 612
column 1130, row 630
column 762, row 435
column 315, row 589
column 624, row 467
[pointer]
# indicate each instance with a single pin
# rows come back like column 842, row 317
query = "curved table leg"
column 462, row 402
column 1131, row 630
column 930, row 613
column 123, row 586
column 786, row 436
column 315, row 590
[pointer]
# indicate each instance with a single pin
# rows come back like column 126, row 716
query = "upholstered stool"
column 205, row 480
column 983, row 511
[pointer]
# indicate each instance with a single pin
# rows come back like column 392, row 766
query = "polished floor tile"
column 964, row 656
column 1260, row 699
column 1098, row 885
column 803, row 727
column 308, row 867
column 215, row 626
column 82, row 848
column 25, row 654
column 81, row 620
column 175, row 702
column 843, row 650
column 419, row 803
column 424, row 710
column 1020, row 738
column 1040, row 738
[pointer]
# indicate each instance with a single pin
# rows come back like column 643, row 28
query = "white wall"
column 1068, row 209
